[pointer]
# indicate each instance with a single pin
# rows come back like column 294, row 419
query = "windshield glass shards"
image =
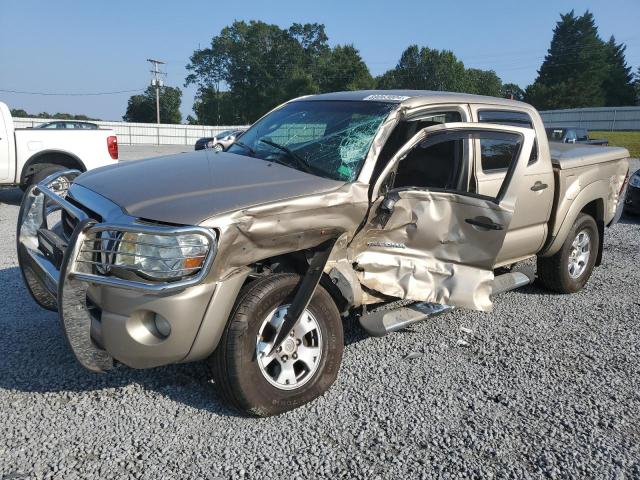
column 326, row 138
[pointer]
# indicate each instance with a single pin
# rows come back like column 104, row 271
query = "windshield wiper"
column 244, row 145
column 301, row 162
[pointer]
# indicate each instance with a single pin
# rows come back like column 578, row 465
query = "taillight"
column 112, row 146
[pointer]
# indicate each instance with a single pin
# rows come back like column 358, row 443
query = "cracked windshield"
column 329, row 139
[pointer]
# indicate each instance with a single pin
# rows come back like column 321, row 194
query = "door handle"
column 483, row 223
column 539, row 186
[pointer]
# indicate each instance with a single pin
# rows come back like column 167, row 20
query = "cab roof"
column 412, row 98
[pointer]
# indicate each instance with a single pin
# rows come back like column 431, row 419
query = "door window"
column 498, row 153
column 406, row 129
column 510, row 118
column 440, row 165
column 442, row 161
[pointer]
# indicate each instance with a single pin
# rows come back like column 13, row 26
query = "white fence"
column 145, row 133
column 602, row 118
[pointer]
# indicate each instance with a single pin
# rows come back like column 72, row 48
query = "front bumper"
column 106, row 317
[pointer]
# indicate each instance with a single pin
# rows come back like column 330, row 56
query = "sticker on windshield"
column 398, row 98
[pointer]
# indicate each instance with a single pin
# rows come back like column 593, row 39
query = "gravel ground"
column 545, row 386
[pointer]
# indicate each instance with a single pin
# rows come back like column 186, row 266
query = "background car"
column 69, row 124
column 574, row 135
column 220, row 142
column 632, row 200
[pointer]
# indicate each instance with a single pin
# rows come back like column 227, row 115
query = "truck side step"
column 388, row 319
column 511, row 281
column 382, row 321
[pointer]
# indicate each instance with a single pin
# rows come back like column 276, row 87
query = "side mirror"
column 387, row 205
column 385, row 210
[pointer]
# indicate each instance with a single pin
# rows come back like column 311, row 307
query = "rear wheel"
column 262, row 382
column 570, row 268
column 42, row 172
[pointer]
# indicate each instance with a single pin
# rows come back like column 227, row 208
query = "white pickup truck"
column 28, row 156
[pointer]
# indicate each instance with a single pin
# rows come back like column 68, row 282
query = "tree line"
column 251, row 67
column 19, row 112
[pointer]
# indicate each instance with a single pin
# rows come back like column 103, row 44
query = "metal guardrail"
column 601, row 118
column 145, row 133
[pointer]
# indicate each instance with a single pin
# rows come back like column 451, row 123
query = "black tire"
column 235, row 366
column 42, row 172
column 553, row 271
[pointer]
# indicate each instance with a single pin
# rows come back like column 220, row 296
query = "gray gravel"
column 545, row 386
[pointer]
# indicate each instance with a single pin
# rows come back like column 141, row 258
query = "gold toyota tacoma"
column 416, row 201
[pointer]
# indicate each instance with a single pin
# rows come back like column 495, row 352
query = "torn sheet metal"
column 427, row 252
column 290, row 225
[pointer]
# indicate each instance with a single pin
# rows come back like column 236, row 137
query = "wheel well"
column 297, row 262
column 35, row 163
column 595, row 209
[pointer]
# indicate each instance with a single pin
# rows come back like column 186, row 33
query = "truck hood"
column 189, row 188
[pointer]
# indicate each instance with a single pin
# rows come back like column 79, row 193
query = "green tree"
column 142, row 108
column 483, row 82
column 618, row 84
column 512, row 91
column 19, row 112
column 426, row 69
column 342, row 68
column 388, row 80
column 575, row 67
column 213, row 107
column 262, row 65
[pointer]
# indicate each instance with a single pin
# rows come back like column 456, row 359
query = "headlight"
column 158, row 257
column 635, row 180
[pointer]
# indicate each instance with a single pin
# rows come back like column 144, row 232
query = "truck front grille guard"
column 82, row 262
column 65, row 288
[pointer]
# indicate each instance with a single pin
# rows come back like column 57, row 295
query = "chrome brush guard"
column 58, row 271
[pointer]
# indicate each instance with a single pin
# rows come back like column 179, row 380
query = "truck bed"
column 565, row 156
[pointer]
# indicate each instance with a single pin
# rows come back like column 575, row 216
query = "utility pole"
column 157, row 82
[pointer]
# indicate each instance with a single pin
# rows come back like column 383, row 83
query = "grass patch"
column 628, row 140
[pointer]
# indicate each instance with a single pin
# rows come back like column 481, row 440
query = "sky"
column 83, row 47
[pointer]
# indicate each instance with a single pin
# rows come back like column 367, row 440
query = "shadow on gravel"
column 534, row 289
column 36, row 359
column 11, row 196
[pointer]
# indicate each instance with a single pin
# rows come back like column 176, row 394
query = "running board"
column 510, row 281
column 382, row 321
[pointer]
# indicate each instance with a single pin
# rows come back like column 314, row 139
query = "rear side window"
column 497, row 153
column 510, row 118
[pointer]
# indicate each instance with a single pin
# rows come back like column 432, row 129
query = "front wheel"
column 261, row 382
column 568, row 270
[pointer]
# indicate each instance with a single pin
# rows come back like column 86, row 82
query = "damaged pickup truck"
column 413, row 201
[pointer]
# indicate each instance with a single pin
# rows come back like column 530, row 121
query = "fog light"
column 163, row 326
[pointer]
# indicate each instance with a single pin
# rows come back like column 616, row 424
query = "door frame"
column 442, row 276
